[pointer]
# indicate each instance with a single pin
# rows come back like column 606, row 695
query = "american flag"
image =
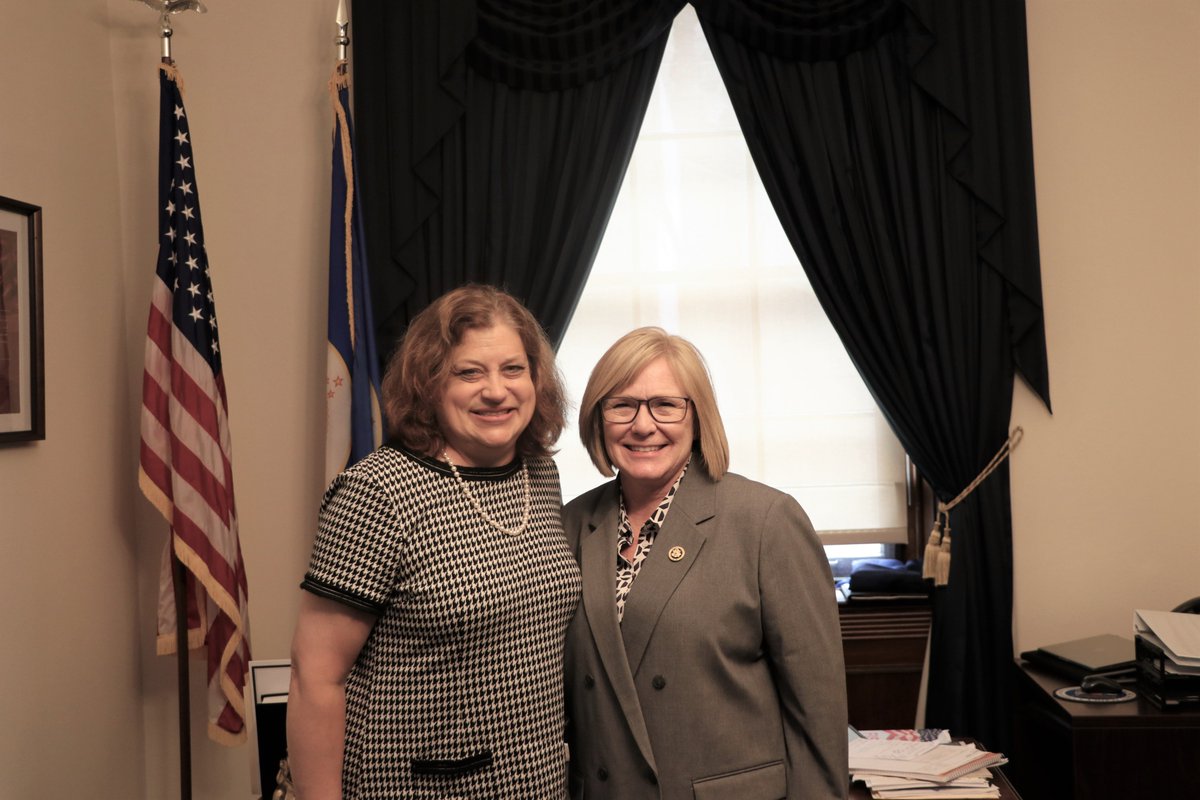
column 185, row 452
column 353, row 423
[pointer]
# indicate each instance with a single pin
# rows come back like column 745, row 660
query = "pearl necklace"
column 479, row 506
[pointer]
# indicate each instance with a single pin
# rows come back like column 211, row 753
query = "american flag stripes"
column 185, row 451
column 353, row 425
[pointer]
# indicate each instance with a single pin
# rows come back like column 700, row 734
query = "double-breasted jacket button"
column 650, row 776
column 589, row 681
column 658, row 681
column 602, row 774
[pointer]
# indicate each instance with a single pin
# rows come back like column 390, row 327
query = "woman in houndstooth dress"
column 427, row 658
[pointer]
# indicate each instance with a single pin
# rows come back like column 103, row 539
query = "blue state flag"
column 353, row 423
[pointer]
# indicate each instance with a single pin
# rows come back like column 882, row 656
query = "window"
column 694, row 246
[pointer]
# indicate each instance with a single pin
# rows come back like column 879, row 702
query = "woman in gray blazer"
column 705, row 660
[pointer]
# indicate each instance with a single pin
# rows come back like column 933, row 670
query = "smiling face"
column 488, row 397
column 648, row 454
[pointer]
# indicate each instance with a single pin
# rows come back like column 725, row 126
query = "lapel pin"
column 676, row 553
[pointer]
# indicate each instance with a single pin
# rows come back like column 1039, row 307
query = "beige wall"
column 86, row 705
column 1102, row 491
column 69, row 663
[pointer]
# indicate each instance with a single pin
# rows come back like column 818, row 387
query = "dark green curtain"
column 897, row 153
column 493, row 136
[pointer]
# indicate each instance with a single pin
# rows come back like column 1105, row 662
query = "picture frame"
column 22, row 378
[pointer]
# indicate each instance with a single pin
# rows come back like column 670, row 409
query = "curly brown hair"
column 417, row 371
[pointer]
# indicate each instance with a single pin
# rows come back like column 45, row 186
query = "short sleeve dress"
column 458, row 691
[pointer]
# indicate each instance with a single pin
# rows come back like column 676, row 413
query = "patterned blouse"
column 627, row 570
column 458, row 691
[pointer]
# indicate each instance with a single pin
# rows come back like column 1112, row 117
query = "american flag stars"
column 182, row 260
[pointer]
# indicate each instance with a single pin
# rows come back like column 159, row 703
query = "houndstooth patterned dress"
column 458, row 691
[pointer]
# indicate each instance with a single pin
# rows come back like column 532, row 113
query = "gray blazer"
column 726, row 677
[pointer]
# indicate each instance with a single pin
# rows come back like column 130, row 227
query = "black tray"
column 1164, row 689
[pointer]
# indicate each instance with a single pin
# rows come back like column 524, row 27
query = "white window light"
column 694, row 246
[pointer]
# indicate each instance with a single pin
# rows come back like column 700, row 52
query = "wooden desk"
column 1097, row 751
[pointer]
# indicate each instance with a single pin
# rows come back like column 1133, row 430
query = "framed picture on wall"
column 22, row 384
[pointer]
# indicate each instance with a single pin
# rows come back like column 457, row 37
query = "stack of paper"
column 894, row 768
column 939, row 735
column 968, row 787
column 1177, row 635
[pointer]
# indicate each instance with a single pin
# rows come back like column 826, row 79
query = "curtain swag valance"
column 549, row 46
column 802, row 30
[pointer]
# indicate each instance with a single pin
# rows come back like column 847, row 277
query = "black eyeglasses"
column 662, row 409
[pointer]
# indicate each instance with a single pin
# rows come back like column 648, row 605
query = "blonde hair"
column 628, row 356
